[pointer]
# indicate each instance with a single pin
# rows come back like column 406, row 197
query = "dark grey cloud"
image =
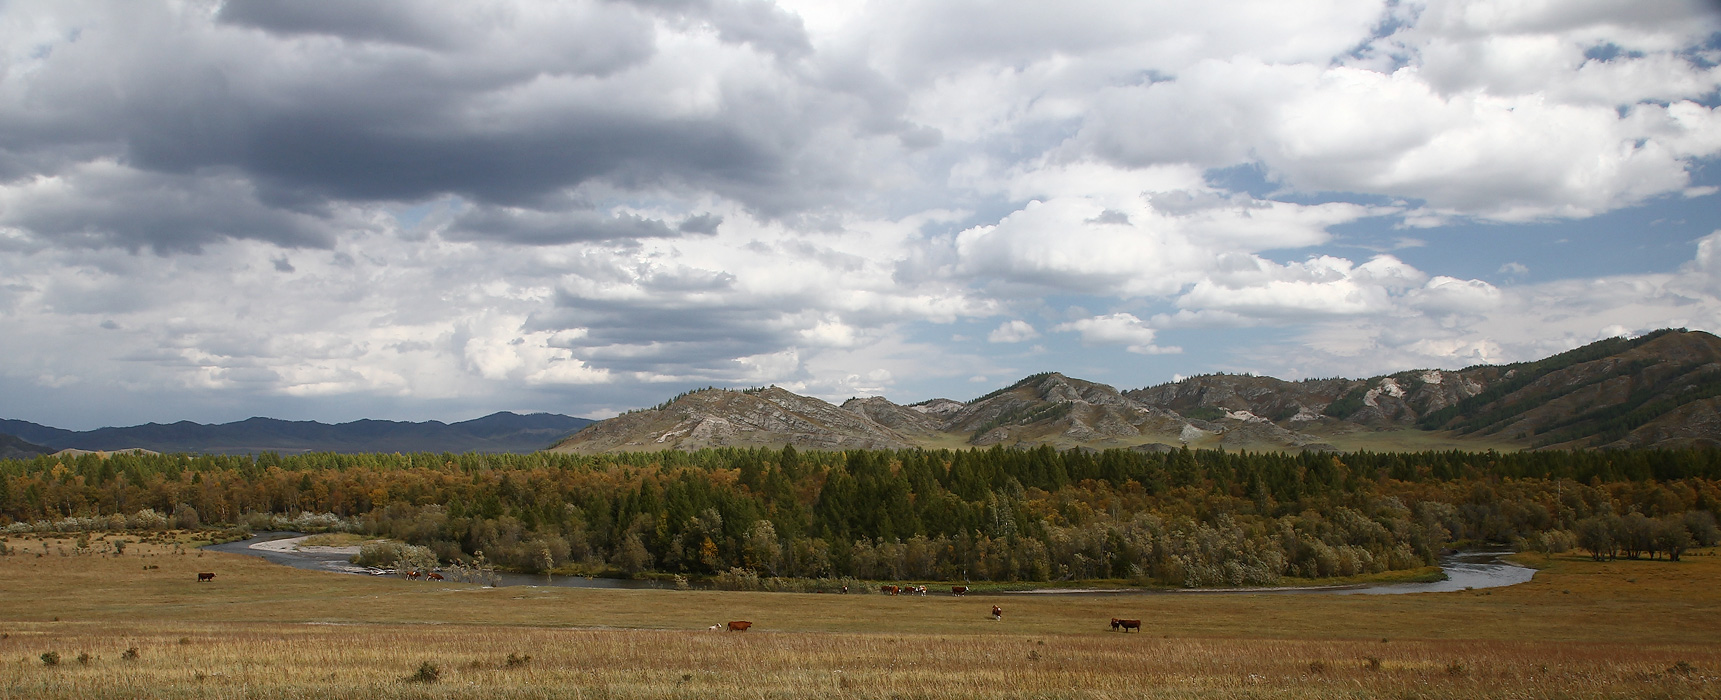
column 532, row 227
column 509, row 106
column 701, row 223
column 688, row 323
column 397, row 21
column 1112, row 217
column 108, row 205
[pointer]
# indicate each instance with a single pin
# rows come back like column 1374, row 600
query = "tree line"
column 1180, row 518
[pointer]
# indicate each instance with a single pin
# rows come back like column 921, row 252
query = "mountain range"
column 503, row 432
column 1662, row 389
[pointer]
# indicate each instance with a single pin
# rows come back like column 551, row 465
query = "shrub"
column 50, row 658
column 395, row 554
column 517, row 660
column 130, row 654
column 427, row 673
column 185, row 517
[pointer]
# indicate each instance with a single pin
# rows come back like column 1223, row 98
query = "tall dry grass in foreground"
column 1581, row 630
column 213, row 660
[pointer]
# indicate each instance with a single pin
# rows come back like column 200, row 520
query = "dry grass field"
column 139, row 625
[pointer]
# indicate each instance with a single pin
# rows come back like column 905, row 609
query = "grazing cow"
column 412, row 575
column 887, row 590
column 205, row 577
column 958, row 590
column 845, row 589
column 714, row 628
column 997, row 613
column 435, row 576
column 739, row 625
column 1125, row 625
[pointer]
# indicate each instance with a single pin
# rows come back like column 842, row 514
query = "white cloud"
column 1118, row 329
column 603, row 200
column 1012, row 332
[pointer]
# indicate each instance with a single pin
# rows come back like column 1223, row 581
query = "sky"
column 438, row 209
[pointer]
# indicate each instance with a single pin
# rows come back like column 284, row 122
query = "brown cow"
column 205, row 577
column 887, row 590
column 435, row 576
column 997, row 613
column 739, row 625
column 958, row 590
column 1125, row 625
column 412, row 575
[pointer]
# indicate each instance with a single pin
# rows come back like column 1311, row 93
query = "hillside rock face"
column 1661, row 390
column 905, row 420
column 718, row 418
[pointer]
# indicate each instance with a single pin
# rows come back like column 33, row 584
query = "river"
column 1464, row 571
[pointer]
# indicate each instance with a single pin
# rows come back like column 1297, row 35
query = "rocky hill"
column 720, row 417
column 503, row 432
column 1659, row 390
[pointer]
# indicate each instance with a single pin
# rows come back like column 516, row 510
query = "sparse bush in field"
column 427, row 673
column 147, row 519
column 1456, row 669
column 185, row 517
column 1550, row 542
column 517, row 660
column 1371, row 663
column 395, row 554
column 1317, row 667
column 738, row 580
column 129, row 655
column 84, row 658
column 50, row 658
column 1683, row 668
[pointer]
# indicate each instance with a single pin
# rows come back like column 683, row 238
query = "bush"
column 395, row 555
column 50, row 658
column 427, row 673
column 185, row 517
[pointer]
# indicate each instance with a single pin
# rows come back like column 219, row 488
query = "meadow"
column 138, row 624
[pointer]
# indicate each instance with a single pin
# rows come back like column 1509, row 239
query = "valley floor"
column 1580, row 629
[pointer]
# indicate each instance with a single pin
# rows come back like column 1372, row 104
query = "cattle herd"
column 1117, row 624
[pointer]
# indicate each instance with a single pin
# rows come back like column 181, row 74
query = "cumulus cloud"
column 583, row 203
column 1012, row 332
column 1117, row 329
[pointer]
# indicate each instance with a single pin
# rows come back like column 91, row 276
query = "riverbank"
column 1465, row 570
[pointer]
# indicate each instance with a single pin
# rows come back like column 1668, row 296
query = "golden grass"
column 1581, row 629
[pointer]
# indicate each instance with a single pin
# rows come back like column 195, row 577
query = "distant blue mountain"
column 14, row 448
column 503, row 432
